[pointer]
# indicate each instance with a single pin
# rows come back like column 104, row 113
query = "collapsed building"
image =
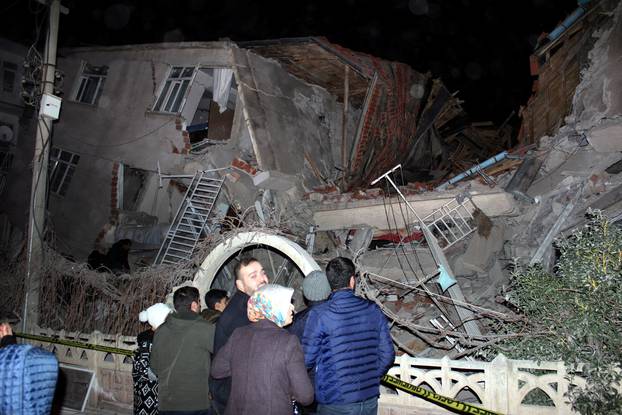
column 273, row 146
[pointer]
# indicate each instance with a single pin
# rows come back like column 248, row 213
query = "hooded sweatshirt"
column 180, row 357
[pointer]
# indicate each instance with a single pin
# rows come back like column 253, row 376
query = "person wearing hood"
column 145, row 381
column 180, row 357
column 264, row 361
column 315, row 289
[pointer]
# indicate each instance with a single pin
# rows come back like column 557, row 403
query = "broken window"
column 90, row 84
column 9, row 74
column 61, row 168
column 174, row 90
column 212, row 120
column 133, row 186
column 6, row 161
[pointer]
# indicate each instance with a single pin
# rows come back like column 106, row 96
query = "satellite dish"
column 6, row 134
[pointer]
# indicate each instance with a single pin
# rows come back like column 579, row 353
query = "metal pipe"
column 474, row 169
column 568, row 21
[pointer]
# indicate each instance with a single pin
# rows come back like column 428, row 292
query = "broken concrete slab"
column 606, row 136
column 373, row 212
column 581, row 163
column 360, row 240
column 523, row 177
column 481, row 251
column 385, row 262
column 274, row 180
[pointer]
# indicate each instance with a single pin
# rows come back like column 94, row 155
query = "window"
column 6, row 161
column 174, row 89
column 132, row 188
column 9, row 74
column 210, row 121
column 62, row 166
column 91, row 83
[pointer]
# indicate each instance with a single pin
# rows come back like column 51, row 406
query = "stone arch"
column 221, row 253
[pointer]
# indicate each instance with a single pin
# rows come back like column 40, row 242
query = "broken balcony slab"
column 581, row 163
column 605, row 137
column 377, row 214
column 274, row 180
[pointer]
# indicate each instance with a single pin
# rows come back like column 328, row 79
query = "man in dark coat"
column 348, row 344
column 117, row 257
column 249, row 276
column 180, row 356
column 216, row 301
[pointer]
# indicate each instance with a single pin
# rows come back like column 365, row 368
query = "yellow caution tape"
column 74, row 343
column 447, row 403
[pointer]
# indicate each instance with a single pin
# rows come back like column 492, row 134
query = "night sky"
column 478, row 47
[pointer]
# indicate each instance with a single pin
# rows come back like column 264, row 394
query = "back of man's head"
column 184, row 297
column 339, row 271
column 213, row 297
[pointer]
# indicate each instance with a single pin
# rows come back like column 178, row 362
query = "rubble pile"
column 552, row 183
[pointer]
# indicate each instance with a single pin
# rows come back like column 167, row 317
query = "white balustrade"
column 503, row 385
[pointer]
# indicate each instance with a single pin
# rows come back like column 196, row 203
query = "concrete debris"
column 274, row 180
column 480, row 252
column 605, row 137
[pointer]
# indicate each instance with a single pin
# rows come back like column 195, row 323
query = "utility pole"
column 38, row 192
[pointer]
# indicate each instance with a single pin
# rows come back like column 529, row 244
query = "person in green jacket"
column 180, row 356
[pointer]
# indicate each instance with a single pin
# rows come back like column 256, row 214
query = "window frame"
column 6, row 160
column 65, row 168
column 8, row 66
column 166, row 99
column 87, row 75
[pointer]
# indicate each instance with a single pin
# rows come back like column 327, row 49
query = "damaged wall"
column 293, row 121
column 121, row 128
column 558, row 66
column 598, row 101
column 17, row 135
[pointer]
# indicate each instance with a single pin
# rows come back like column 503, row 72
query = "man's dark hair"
column 244, row 261
column 184, row 297
column 338, row 271
column 213, row 296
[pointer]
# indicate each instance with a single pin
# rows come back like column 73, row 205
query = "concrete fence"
column 506, row 386
column 503, row 385
column 113, row 386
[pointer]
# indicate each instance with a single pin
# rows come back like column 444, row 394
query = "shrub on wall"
column 575, row 314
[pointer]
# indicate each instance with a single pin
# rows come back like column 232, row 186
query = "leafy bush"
column 575, row 314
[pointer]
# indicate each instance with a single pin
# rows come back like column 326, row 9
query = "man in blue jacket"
column 348, row 344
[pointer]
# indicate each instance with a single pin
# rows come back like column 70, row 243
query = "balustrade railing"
column 506, row 386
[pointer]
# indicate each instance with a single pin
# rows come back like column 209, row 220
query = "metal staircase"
column 190, row 220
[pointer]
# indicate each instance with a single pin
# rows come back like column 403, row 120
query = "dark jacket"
column 233, row 317
column 300, row 320
column 211, row 316
column 180, row 357
column 266, row 365
column 8, row 340
column 347, row 341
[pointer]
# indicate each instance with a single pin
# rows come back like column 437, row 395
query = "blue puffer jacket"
column 27, row 380
column 347, row 342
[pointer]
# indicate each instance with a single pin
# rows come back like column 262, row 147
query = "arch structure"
column 221, row 253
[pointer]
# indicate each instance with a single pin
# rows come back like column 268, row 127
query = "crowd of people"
column 248, row 354
column 252, row 354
